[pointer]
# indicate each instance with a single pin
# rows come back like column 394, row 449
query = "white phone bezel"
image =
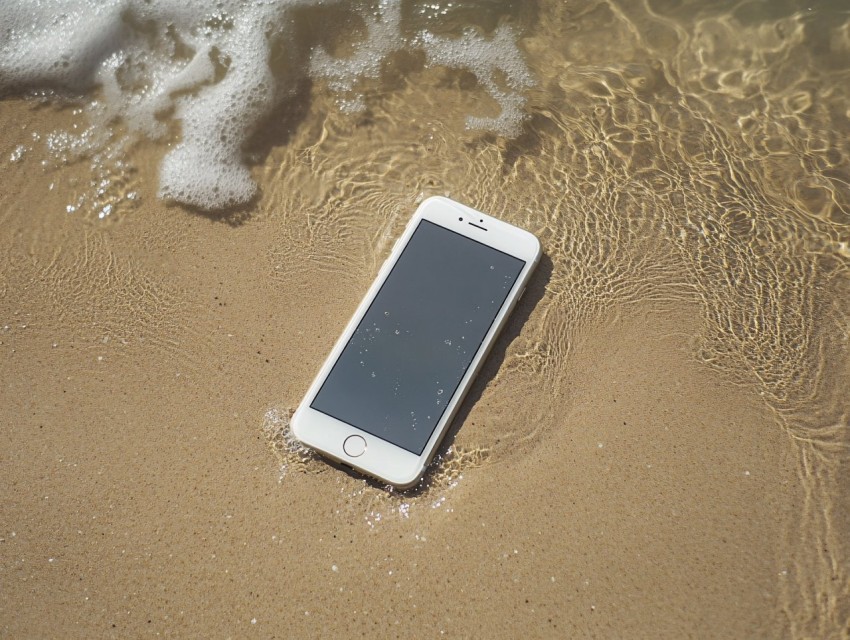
column 383, row 460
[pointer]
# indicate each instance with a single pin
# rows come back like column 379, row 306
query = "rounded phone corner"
column 537, row 246
column 408, row 485
column 407, row 481
column 532, row 249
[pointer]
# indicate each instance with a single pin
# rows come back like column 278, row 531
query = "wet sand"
column 657, row 446
column 649, row 495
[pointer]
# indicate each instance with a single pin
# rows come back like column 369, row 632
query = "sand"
column 648, row 452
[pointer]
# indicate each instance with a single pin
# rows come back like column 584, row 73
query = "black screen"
column 408, row 354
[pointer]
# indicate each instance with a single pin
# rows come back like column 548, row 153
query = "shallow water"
column 677, row 160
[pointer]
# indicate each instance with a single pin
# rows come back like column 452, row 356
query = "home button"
column 354, row 446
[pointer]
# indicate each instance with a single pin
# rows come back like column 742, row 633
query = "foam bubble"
column 207, row 67
column 383, row 29
column 484, row 57
column 56, row 43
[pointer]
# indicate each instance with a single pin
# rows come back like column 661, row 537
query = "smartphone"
column 387, row 392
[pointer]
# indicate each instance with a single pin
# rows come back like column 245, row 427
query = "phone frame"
column 382, row 460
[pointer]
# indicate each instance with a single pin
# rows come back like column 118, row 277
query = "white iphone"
column 387, row 393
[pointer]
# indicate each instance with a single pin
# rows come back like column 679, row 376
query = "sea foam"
column 206, row 66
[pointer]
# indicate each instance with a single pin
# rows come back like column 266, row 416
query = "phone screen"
column 410, row 351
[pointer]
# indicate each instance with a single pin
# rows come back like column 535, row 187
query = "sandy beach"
column 657, row 446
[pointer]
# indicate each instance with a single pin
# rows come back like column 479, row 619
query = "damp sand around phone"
column 658, row 444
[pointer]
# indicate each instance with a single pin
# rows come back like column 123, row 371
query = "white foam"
column 206, row 66
column 482, row 56
column 383, row 29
